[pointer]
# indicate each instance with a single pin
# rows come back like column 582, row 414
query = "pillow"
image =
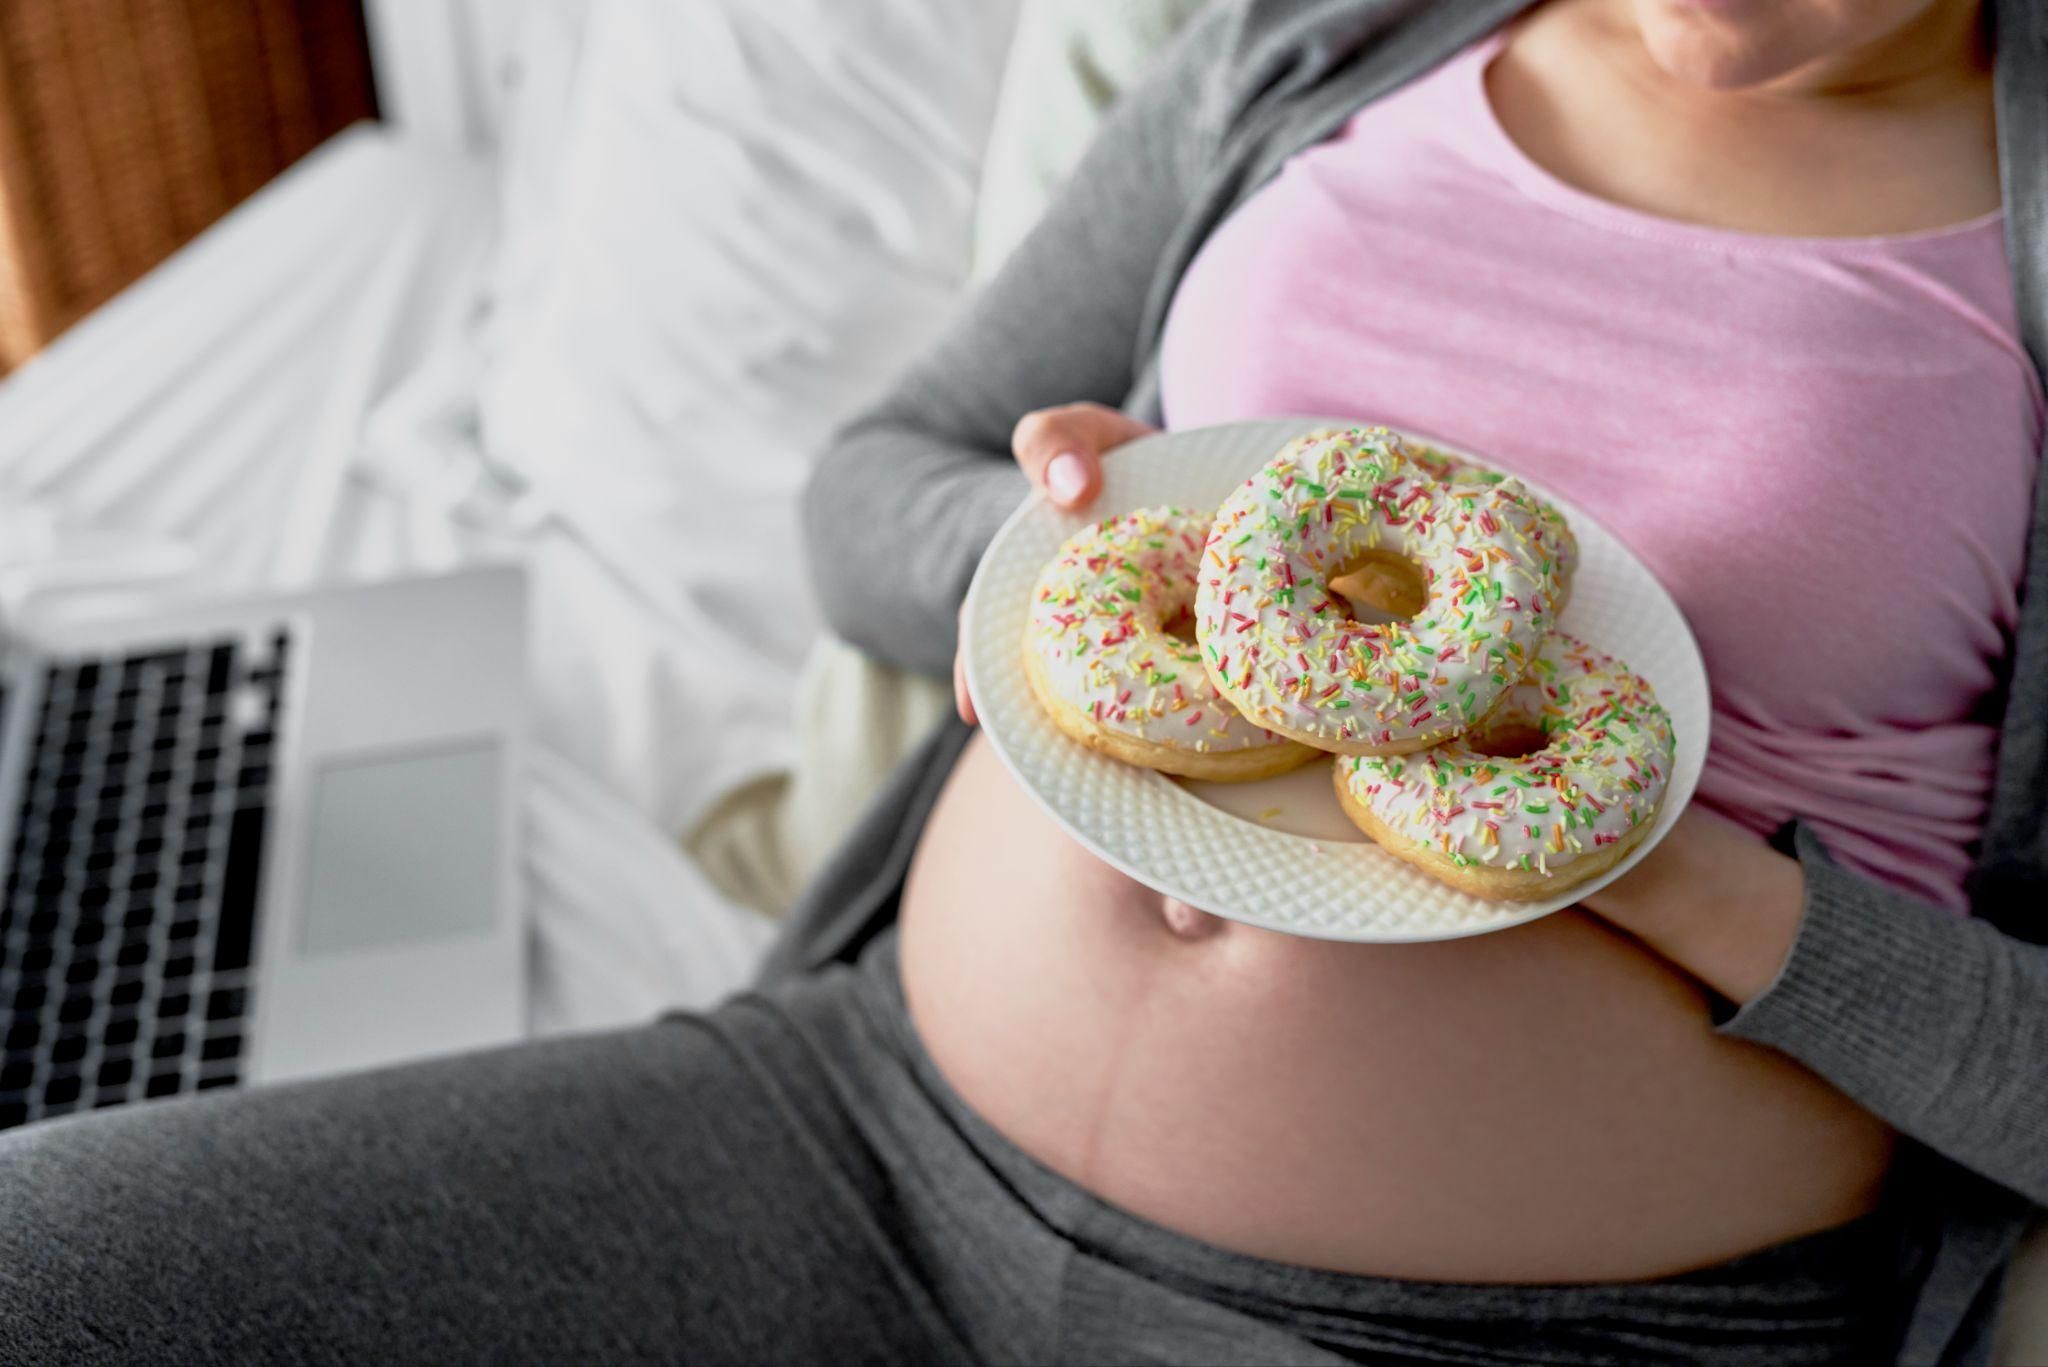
column 1069, row 63
column 764, row 212
column 856, row 718
column 533, row 84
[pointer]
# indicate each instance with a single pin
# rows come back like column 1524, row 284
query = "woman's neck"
column 1898, row 135
column 1938, row 58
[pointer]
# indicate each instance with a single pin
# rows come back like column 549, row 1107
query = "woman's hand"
column 1061, row 450
column 1713, row 898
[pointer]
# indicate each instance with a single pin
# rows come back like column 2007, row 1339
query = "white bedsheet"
column 291, row 397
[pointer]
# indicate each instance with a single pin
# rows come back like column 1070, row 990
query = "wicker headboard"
column 126, row 126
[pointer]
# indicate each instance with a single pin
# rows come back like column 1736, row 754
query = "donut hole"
column 1508, row 738
column 1380, row 587
column 1180, row 623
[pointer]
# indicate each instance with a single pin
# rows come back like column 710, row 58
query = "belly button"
column 1187, row 922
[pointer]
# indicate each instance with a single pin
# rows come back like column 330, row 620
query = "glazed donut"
column 1283, row 649
column 1533, row 827
column 1101, row 661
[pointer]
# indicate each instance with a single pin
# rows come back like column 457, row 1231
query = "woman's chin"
column 1720, row 44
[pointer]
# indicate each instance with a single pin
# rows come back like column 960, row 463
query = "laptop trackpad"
column 405, row 846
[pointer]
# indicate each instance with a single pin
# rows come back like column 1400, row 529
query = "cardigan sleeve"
column 905, row 497
column 1936, row 1023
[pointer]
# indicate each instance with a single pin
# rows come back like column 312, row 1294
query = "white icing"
column 1450, row 469
column 1098, row 630
column 1603, row 772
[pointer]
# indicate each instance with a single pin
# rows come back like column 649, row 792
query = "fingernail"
column 1066, row 477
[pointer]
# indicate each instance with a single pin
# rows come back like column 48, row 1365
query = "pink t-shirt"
column 1824, row 448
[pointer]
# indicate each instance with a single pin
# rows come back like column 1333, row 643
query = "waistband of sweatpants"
column 1823, row 1290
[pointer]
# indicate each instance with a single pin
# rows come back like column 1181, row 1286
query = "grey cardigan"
column 1937, row 1024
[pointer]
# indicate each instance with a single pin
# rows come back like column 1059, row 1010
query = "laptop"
column 247, row 842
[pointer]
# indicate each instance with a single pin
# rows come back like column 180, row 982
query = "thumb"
column 1061, row 449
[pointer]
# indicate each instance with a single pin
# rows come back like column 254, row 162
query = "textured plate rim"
column 1684, row 779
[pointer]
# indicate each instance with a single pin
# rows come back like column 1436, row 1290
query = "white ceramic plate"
column 1280, row 853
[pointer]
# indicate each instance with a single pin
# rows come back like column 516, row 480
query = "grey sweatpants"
column 785, row 1180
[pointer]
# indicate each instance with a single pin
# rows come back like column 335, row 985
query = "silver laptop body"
column 259, row 840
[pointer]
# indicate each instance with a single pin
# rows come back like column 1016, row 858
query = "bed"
column 407, row 354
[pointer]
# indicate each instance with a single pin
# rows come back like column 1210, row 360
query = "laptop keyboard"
column 128, row 917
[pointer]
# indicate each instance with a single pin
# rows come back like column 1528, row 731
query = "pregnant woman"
column 1731, row 275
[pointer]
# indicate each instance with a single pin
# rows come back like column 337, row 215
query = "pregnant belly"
column 1544, row 1104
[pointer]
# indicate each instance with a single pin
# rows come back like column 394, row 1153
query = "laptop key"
column 220, row 665
column 238, row 892
column 156, row 661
